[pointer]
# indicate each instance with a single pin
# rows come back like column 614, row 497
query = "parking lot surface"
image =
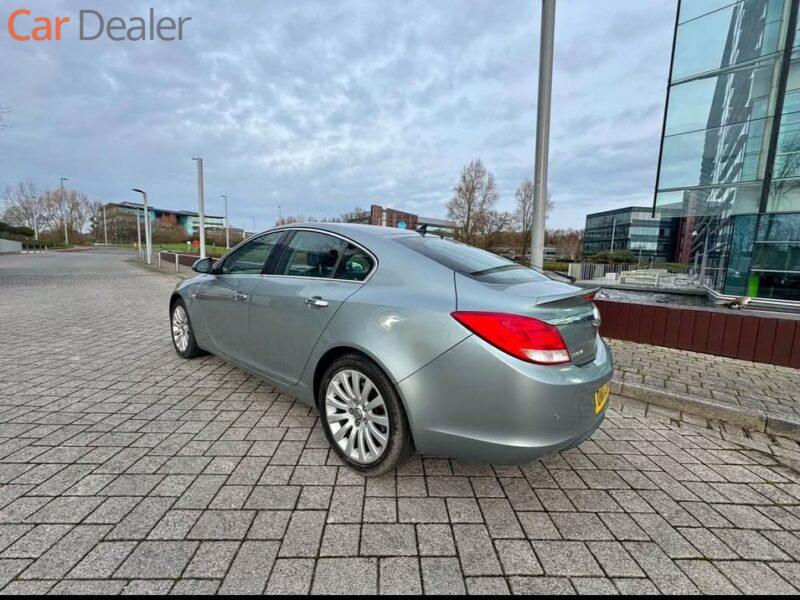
column 124, row 469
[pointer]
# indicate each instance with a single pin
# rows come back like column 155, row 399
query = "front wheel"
column 363, row 417
column 182, row 332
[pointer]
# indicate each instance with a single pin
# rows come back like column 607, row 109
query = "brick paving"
column 125, row 469
column 769, row 388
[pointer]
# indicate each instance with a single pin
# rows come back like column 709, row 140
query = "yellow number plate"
column 601, row 397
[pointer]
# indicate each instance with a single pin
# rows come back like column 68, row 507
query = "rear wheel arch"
column 333, row 353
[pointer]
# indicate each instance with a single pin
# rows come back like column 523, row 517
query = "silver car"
column 404, row 340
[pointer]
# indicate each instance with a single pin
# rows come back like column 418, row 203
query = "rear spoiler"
column 568, row 298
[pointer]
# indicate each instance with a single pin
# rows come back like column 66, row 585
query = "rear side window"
column 355, row 264
column 469, row 260
column 311, row 254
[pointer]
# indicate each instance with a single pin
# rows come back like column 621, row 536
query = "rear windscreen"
column 469, row 260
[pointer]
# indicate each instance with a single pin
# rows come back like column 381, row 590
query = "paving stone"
column 222, row 525
column 435, row 540
column 291, row 576
column 211, row 560
column 304, row 534
column 517, row 557
column 102, row 560
column 476, row 550
column 36, row 541
column 566, row 558
column 250, row 569
column 442, row 576
column 161, row 559
column 334, row 576
column 400, row 576
column 388, row 540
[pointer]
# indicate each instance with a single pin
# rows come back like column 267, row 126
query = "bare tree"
column 353, row 215
column 568, row 242
column 495, row 223
column 473, row 198
column 23, row 201
column 525, row 195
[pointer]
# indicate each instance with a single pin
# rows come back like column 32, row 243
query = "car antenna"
column 422, row 229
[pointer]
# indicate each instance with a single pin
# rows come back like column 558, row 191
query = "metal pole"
column 63, row 216
column 543, row 130
column 35, row 226
column 280, row 216
column 147, row 236
column 105, row 224
column 227, row 226
column 138, row 237
column 703, row 262
column 201, row 207
column 176, row 262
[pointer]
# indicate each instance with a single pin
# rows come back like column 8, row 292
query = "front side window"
column 312, row 254
column 249, row 258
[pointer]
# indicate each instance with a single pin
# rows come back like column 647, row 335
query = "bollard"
column 159, row 261
column 176, row 263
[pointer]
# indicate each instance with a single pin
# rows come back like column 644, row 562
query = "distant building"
column 729, row 167
column 188, row 220
column 389, row 217
column 632, row 228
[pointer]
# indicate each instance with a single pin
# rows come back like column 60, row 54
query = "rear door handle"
column 239, row 297
column 317, row 302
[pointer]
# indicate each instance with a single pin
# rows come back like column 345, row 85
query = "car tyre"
column 183, row 339
column 373, row 410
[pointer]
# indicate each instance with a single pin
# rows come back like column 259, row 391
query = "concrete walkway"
column 126, row 469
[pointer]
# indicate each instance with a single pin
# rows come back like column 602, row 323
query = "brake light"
column 525, row 338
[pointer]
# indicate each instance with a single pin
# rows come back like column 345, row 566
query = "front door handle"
column 317, row 302
column 239, row 297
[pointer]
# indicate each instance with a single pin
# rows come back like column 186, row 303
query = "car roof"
column 356, row 231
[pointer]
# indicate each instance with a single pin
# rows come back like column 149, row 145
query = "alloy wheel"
column 357, row 417
column 180, row 328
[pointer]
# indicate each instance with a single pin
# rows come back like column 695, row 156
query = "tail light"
column 525, row 338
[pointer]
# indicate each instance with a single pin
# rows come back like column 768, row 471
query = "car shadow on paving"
column 126, row 469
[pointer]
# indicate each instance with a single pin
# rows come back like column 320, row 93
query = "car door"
column 223, row 300
column 292, row 305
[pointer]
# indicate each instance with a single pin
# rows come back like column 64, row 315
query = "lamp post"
column 147, row 238
column 35, row 225
column 63, row 216
column 201, row 206
column 254, row 224
column 227, row 227
column 280, row 216
column 105, row 225
column 543, row 130
column 138, row 237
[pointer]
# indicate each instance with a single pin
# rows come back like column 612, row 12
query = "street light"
column 543, row 129
column 147, row 239
column 35, row 226
column 227, row 227
column 200, row 205
column 63, row 216
column 254, row 224
column 138, row 236
column 105, row 225
column 280, row 217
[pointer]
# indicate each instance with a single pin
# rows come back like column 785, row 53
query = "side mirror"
column 204, row 265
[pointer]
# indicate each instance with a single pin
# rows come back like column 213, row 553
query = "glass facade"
column 730, row 153
column 632, row 228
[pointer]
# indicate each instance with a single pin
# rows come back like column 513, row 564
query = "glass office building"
column 633, row 228
column 729, row 168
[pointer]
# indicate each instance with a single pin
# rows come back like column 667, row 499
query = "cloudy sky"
column 320, row 106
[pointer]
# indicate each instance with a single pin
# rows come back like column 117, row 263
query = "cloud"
column 321, row 106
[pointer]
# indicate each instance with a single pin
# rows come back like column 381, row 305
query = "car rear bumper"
column 476, row 403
